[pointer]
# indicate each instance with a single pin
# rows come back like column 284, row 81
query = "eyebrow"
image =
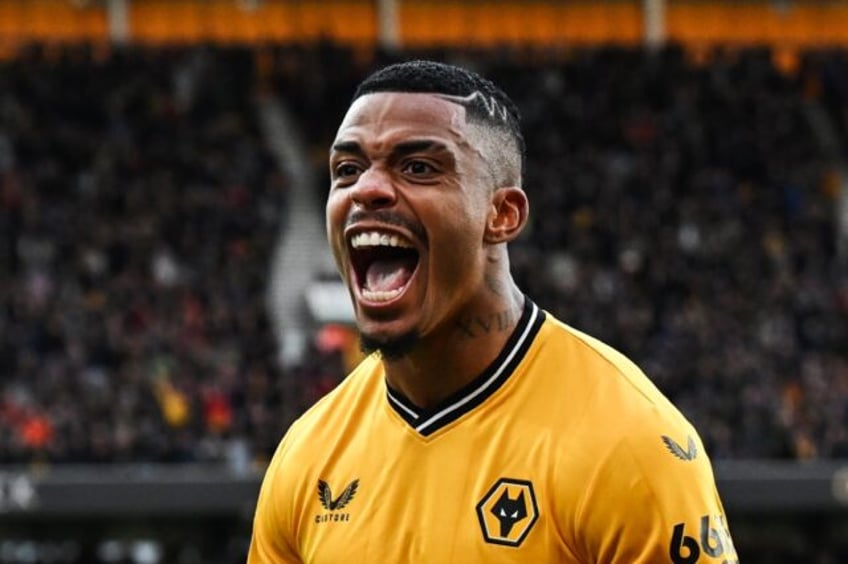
column 416, row 146
column 347, row 147
column 399, row 150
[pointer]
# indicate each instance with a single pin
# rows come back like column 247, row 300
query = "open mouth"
column 383, row 263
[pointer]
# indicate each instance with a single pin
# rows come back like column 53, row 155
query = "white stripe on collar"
column 485, row 385
column 397, row 403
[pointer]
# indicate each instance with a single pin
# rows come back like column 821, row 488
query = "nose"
column 373, row 190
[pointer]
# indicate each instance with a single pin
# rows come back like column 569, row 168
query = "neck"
column 443, row 363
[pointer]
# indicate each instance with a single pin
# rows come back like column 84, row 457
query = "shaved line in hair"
column 494, row 109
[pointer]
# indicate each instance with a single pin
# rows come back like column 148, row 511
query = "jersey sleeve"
column 654, row 499
column 272, row 541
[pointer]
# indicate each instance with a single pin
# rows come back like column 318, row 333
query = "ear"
column 507, row 215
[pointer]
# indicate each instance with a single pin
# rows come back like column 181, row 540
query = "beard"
column 394, row 348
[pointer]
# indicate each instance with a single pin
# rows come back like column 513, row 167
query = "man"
column 481, row 429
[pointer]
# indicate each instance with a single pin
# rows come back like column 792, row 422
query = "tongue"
column 388, row 274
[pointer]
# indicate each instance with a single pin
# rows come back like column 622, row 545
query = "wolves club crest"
column 508, row 511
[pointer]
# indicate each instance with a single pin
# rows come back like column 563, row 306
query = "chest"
column 470, row 495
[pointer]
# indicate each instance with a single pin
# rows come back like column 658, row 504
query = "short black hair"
column 485, row 102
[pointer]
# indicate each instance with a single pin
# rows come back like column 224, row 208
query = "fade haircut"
column 485, row 105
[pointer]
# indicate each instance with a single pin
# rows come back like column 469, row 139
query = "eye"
column 346, row 171
column 419, row 168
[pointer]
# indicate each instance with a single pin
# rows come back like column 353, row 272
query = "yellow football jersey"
column 561, row 451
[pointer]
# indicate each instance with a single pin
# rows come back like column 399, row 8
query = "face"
column 406, row 214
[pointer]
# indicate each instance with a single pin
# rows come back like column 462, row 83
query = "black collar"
column 427, row 422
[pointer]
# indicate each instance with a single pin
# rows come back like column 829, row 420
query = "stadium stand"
column 683, row 211
column 139, row 207
column 697, row 237
column 702, row 246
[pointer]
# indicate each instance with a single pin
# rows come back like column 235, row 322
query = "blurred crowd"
column 138, row 210
column 687, row 216
column 681, row 210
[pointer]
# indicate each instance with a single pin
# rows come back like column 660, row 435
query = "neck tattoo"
column 481, row 325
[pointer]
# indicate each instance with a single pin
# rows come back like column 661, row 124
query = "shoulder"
column 601, row 375
column 305, row 445
column 624, row 410
column 590, row 350
column 646, row 471
column 363, row 386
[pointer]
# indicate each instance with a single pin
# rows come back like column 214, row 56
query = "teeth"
column 377, row 239
column 378, row 296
